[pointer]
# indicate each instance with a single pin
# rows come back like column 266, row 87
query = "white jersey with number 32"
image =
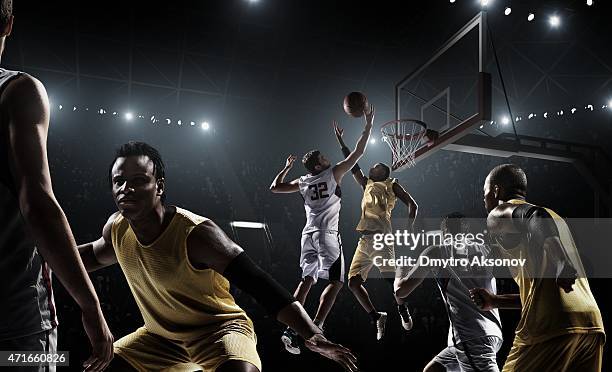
column 321, row 195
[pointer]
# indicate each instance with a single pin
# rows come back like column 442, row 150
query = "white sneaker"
column 406, row 319
column 380, row 325
column 290, row 339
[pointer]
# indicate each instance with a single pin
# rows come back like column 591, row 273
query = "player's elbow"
column 38, row 205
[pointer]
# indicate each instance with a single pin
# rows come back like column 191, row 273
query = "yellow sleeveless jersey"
column 547, row 311
column 176, row 300
column 376, row 206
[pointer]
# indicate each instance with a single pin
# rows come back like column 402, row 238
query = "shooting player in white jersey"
column 321, row 253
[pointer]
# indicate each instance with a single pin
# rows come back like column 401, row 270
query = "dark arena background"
column 227, row 89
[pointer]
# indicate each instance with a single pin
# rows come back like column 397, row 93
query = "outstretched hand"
column 369, row 114
column 290, row 161
column 338, row 353
column 338, row 131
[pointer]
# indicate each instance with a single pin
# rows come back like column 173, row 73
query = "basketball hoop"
column 404, row 137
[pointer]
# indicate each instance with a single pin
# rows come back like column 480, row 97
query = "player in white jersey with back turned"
column 321, row 253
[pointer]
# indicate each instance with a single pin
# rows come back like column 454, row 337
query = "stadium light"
column 589, row 2
column 129, row 116
column 484, row 3
column 610, row 104
column 530, row 17
column 248, row 225
column 554, row 21
column 373, row 141
column 205, row 125
column 505, row 120
column 508, row 10
column 452, row 1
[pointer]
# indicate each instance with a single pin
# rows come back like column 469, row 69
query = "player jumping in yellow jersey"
column 561, row 328
column 380, row 193
column 177, row 265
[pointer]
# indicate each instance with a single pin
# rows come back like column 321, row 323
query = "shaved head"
column 511, row 178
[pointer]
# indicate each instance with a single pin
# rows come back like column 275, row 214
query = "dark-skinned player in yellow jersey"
column 179, row 266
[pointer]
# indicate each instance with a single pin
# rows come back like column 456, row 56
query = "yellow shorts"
column 146, row 351
column 367, row 256
column 571, row 352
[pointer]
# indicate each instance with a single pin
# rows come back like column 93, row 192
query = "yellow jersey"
column 376, row 206
column 547, row 311
column 176, row 300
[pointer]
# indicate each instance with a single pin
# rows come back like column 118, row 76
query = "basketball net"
column 404, row 137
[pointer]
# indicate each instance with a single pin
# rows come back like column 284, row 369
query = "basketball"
column 355, row 104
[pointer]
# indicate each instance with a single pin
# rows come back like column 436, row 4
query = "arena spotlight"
column 205, row 125
column 129, row 116
column 505, row 120
column 452, row 1
column 530, row 17
column 373, row 141
column 61, row 107
column 248, row 225
column 589, row 2
column 484, row 3
column 508, row 10
column 554, row 21
column 610, row 104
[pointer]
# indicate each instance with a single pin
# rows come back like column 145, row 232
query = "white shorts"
column 42, row 342
column 472, row 355
column 321, row 256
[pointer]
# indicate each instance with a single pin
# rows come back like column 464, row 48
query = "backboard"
column 450, row 92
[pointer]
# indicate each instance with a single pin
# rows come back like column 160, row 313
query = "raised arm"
column 278, row 185
column 408, row 200
column 26, row 106
column 356, row 170
column 208, row 245
column 100, row 253
column 345, row 165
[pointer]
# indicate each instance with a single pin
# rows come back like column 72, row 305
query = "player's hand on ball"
column 369, row 114
column 483, row 299
column 338, row 353
column 289, row 162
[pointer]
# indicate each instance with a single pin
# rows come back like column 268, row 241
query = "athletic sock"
column 374, row 315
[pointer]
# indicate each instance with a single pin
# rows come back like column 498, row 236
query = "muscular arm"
column 543, row 235
column 279, row 186
column 407, row 199
column 27, row 109
column 345, row 165
column 26, row 106
column 408, row 283
column 209, row 245
column 356, row 170
column 100, row 253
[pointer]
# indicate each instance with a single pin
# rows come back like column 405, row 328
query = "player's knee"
column 355, row 283
column 336, row 284
column 308, row 280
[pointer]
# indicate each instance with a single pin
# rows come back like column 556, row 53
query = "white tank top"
column 322, row 197
column 468, row 322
